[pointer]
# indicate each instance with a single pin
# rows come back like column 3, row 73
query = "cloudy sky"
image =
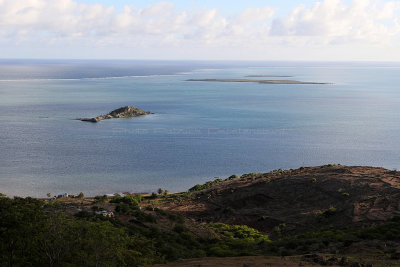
column 204, row 29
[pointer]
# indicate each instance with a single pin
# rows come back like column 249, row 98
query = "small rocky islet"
column 123, row 112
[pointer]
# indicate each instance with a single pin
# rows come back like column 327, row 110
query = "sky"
column 324, row 30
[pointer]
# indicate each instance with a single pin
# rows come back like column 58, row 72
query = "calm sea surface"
column 200, row 130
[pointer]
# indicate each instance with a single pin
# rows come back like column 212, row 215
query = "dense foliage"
column 32, row 237
column 338, row 240
column 238, row 240
column 33, row 233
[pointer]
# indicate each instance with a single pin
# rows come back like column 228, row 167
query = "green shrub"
column 179, row 228
column 144, row 217
column 175, row 217
column 122, row 208
column 209, row 184
column 100, row 199
column 239, row 232
column 83, row 214
column 197, row 187
column 131, row 200
column 149, row 208
column 329, row 212
column 171, row 216
column 160, row 211
column 237, row 240
column 250, row 175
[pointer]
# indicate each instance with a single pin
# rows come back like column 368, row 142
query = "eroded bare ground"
column 270, row 261
column 304, row 199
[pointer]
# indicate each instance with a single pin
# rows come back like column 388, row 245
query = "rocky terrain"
column 330, row 215
column 123, row 112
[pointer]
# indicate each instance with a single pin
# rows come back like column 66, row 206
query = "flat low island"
column 255, row 81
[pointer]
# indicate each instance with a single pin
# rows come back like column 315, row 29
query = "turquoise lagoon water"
column 200, row 130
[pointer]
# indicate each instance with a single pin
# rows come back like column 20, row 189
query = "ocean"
column 199, row 130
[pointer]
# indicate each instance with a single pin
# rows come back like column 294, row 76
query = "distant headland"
column 123, row 112
column 270, row 76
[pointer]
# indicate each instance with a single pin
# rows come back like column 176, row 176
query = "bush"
column 175, row 217
column 100, row 199
column 239, row 231
column 149, row 208
column 250, row 175
column 145, row 217
column 122, row 208
column 329, row 212
column 170, row 216
column 197, row 187
column 179, row 228
column 237, row 240
column 83, row 214
column 209, row 184
column 131, row 200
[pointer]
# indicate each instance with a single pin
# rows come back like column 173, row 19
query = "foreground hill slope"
column 305, row 199
column 329, row 215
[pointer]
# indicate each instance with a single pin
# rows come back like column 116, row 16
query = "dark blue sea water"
column 200, row 130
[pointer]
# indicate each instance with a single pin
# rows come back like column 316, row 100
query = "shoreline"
column 209, row 183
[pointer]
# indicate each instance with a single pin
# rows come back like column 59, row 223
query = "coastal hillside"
column 329, row 215
column 305, row 199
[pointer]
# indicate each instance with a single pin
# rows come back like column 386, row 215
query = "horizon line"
column 207, row 60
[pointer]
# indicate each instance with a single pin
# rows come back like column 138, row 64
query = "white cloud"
column 333, row 21
column 325, row 23
column 68, row 18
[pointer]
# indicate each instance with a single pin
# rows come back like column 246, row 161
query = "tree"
column 57, row 240
column 105, row 244
column 32, row 235
column 21, row 222
column 81, row 195
column 48, row 195
column 159, row 191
